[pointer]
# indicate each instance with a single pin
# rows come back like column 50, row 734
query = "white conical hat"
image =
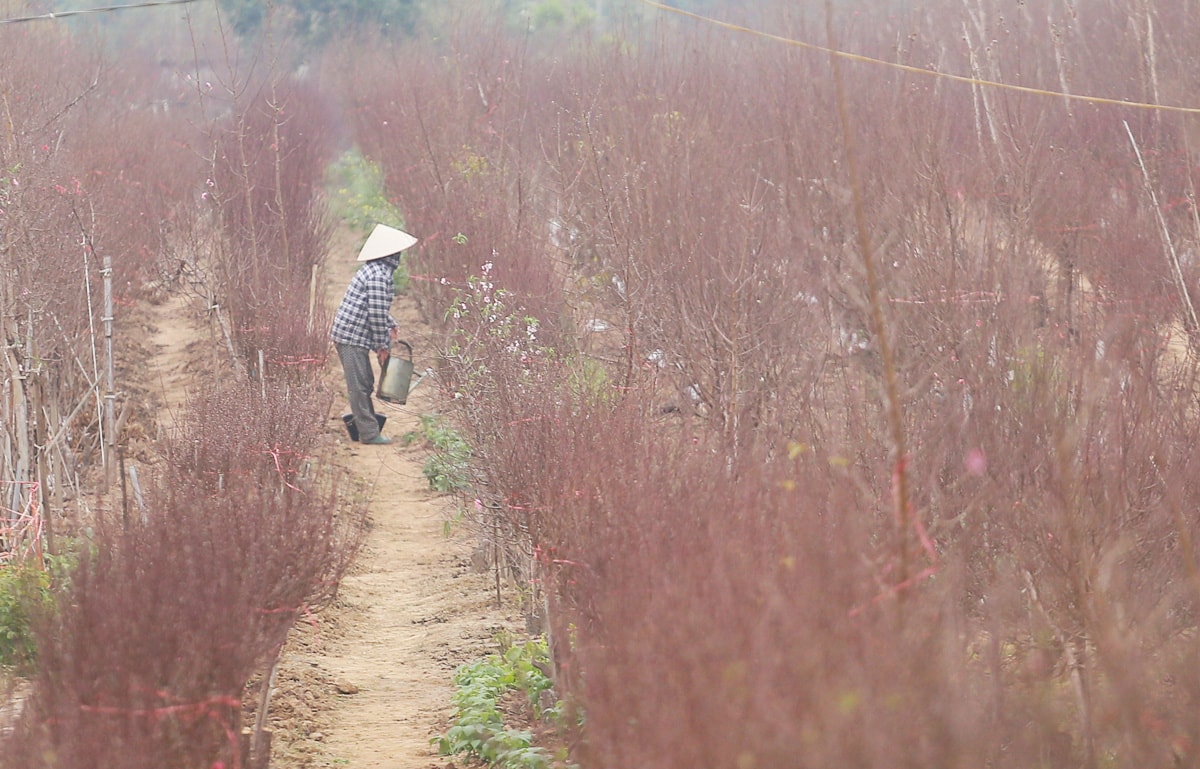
column 385, row 241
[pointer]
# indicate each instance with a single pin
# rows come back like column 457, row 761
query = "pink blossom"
column 975, row 462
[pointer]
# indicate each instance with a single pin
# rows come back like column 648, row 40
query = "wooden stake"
column 124, row 492
column 238, row 366
column 260, row 743
column 496, row 546
column 42, row 450
column 312, row 298
column 1192, row 325
column 105, row 424
column 110, row 432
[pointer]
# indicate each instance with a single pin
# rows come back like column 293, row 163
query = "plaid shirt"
column 363, row 319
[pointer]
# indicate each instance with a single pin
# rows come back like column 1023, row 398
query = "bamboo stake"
column 8, row 401
column 496, row 554
column 237, row 363
column 1152, row 59
column 58, row 463
column 312, row 298
column 974, row 90
column 24, row 449
column 95, row 373
column 39, row 417
column 7, row 389
column 278, row 158
column 259, row 742
column 6, row 448
column 109, row 389
column 19, row 464
column 977, row 73
column 124, row 492
column 137, row 494
column 1060, row 60
column 1192, row 325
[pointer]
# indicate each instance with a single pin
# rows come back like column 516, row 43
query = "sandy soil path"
column 366, row 682
column 412, row 610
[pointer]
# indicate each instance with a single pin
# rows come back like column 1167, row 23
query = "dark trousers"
column 360, row 382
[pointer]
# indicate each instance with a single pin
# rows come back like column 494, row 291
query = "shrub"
column 448, row 466
column 266, row 179
column 145, row 661
column 25, row 592
column 356, row 192
column 885, row 413
column 479, row 731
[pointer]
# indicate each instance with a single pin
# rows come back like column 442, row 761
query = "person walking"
column 364, row 323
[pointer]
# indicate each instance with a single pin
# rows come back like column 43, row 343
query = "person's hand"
column 383, row 353
column 394, row 333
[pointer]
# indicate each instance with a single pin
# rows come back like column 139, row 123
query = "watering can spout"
column 396, row 376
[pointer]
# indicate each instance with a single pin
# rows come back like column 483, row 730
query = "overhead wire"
column 921, row 70
column 64, row 14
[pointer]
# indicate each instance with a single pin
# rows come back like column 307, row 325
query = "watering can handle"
column 397, row 373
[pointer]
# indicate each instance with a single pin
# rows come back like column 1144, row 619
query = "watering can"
column 397, row 374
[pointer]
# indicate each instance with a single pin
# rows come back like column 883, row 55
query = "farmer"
column 364, row 323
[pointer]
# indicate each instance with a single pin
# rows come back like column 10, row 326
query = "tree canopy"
column 318, row 21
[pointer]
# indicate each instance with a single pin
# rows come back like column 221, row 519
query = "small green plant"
column 448, row 466
column 454, row 520
column 355, row 185
column 588, row 380
column 25, row 590
column 356, row 192
column 557, row 14
column 479, row 731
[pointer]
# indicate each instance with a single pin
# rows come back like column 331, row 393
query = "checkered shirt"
column 363, row 319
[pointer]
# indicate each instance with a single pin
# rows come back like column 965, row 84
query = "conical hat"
column 385, row 241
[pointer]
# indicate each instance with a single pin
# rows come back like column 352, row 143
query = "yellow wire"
column 922, row 70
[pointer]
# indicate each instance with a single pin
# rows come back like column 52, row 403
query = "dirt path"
column 413, row 613
column 415, row 608
column 175, row 332
column 366, row 683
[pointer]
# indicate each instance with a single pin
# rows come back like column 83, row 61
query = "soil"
column 366, row 682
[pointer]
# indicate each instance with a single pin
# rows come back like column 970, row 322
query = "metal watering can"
column 397, row 374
